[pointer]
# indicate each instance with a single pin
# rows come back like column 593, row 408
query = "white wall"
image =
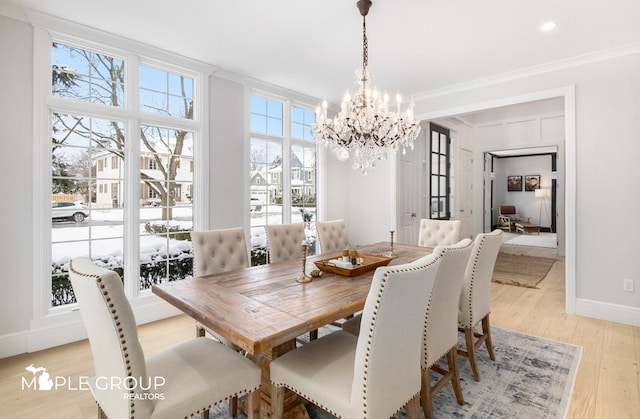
column 227, row 156
column 16, row 167
column 607, row 95
column 527, row 205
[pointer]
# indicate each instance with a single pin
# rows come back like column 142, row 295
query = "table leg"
column 293, row 404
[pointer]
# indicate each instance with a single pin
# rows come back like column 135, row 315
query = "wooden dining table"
column 262, row 309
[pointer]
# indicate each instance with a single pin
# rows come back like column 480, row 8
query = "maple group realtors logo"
column 133, row 388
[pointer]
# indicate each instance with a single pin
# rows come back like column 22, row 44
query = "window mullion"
column 286, row 163
column 132, row 173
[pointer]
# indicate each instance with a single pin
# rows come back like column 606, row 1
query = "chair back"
column 441, row 330
column 387, row 360
column 113, row 336
column 475, row 295
column 216, row 251
column 438, row 232
column 283, row 241
column 332, row 235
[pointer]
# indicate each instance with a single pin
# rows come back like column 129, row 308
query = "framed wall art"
column 514, row 183
column 531, row 183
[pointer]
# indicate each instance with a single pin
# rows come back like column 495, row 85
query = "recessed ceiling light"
column 548, row 26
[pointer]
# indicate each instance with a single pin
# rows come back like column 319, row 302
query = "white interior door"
column 465, row 193
column 408, row 193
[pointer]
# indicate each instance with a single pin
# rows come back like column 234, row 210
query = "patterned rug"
column 531, row 378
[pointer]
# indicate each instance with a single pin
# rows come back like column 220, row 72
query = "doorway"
column 566, row 190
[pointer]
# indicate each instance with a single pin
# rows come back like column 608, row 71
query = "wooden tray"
column 369, row 263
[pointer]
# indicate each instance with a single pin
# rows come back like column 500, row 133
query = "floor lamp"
column 543, row 193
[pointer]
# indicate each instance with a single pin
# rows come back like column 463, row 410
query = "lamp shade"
column 542, row 193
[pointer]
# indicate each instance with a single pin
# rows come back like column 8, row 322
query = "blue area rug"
column 532, row 377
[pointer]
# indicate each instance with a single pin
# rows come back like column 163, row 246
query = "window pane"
column 258, row 123
column 274, row 126
column 87, row 76
column 265, row 192
column 303, row 191
column 266, row 116
column 274, row 109
column 301, row 121
column 86, row 193
column 258, row 105
column 166, row 212
column 166, row 93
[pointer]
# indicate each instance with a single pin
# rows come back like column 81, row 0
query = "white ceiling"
column 415, row 46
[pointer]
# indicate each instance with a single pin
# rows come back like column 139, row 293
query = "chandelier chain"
column 365, row 47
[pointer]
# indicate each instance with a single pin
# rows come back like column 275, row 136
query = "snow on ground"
column 106, row 241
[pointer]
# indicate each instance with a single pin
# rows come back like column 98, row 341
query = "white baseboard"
column 68, row 327
column 610, row 312
column 13, row 344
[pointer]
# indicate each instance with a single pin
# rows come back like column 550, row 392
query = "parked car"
column 256, row 204
column 69, row 210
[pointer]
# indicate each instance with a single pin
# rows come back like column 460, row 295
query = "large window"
column 282, row 164
column 119, row 168
column 439, row 150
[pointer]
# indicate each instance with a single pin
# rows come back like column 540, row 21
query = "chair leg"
column 313, row 335
column 413, row 408
column 426, row 397
column 199, row 331
column 253, row 405
column 452, row 360
column 277, row 402
column 471, row 351
column 486, row 331
column 233, row 406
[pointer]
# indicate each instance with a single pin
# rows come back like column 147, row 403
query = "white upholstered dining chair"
column 441, row 324
column 475, row 297
column 376, row 373
column 194, row 376
column 440, row 337
column 332, row 235
column 438, row 232
column 283, row 241
column 217, row 251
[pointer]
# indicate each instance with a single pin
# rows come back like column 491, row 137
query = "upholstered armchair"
column 332, row 235
column 195, row 375
column 507, row 217
column 376, row 373
column 438, row 232
column 475, row 297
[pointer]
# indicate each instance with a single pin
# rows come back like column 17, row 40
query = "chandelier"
column 364, row 128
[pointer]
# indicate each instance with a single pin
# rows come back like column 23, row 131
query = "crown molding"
column 577, row 61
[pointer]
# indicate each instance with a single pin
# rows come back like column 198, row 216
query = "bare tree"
column 106, row 86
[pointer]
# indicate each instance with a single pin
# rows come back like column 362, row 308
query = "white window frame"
column 288, row 100
column 48, row 29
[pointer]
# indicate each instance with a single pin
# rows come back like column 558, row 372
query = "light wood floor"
column 607, row 384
